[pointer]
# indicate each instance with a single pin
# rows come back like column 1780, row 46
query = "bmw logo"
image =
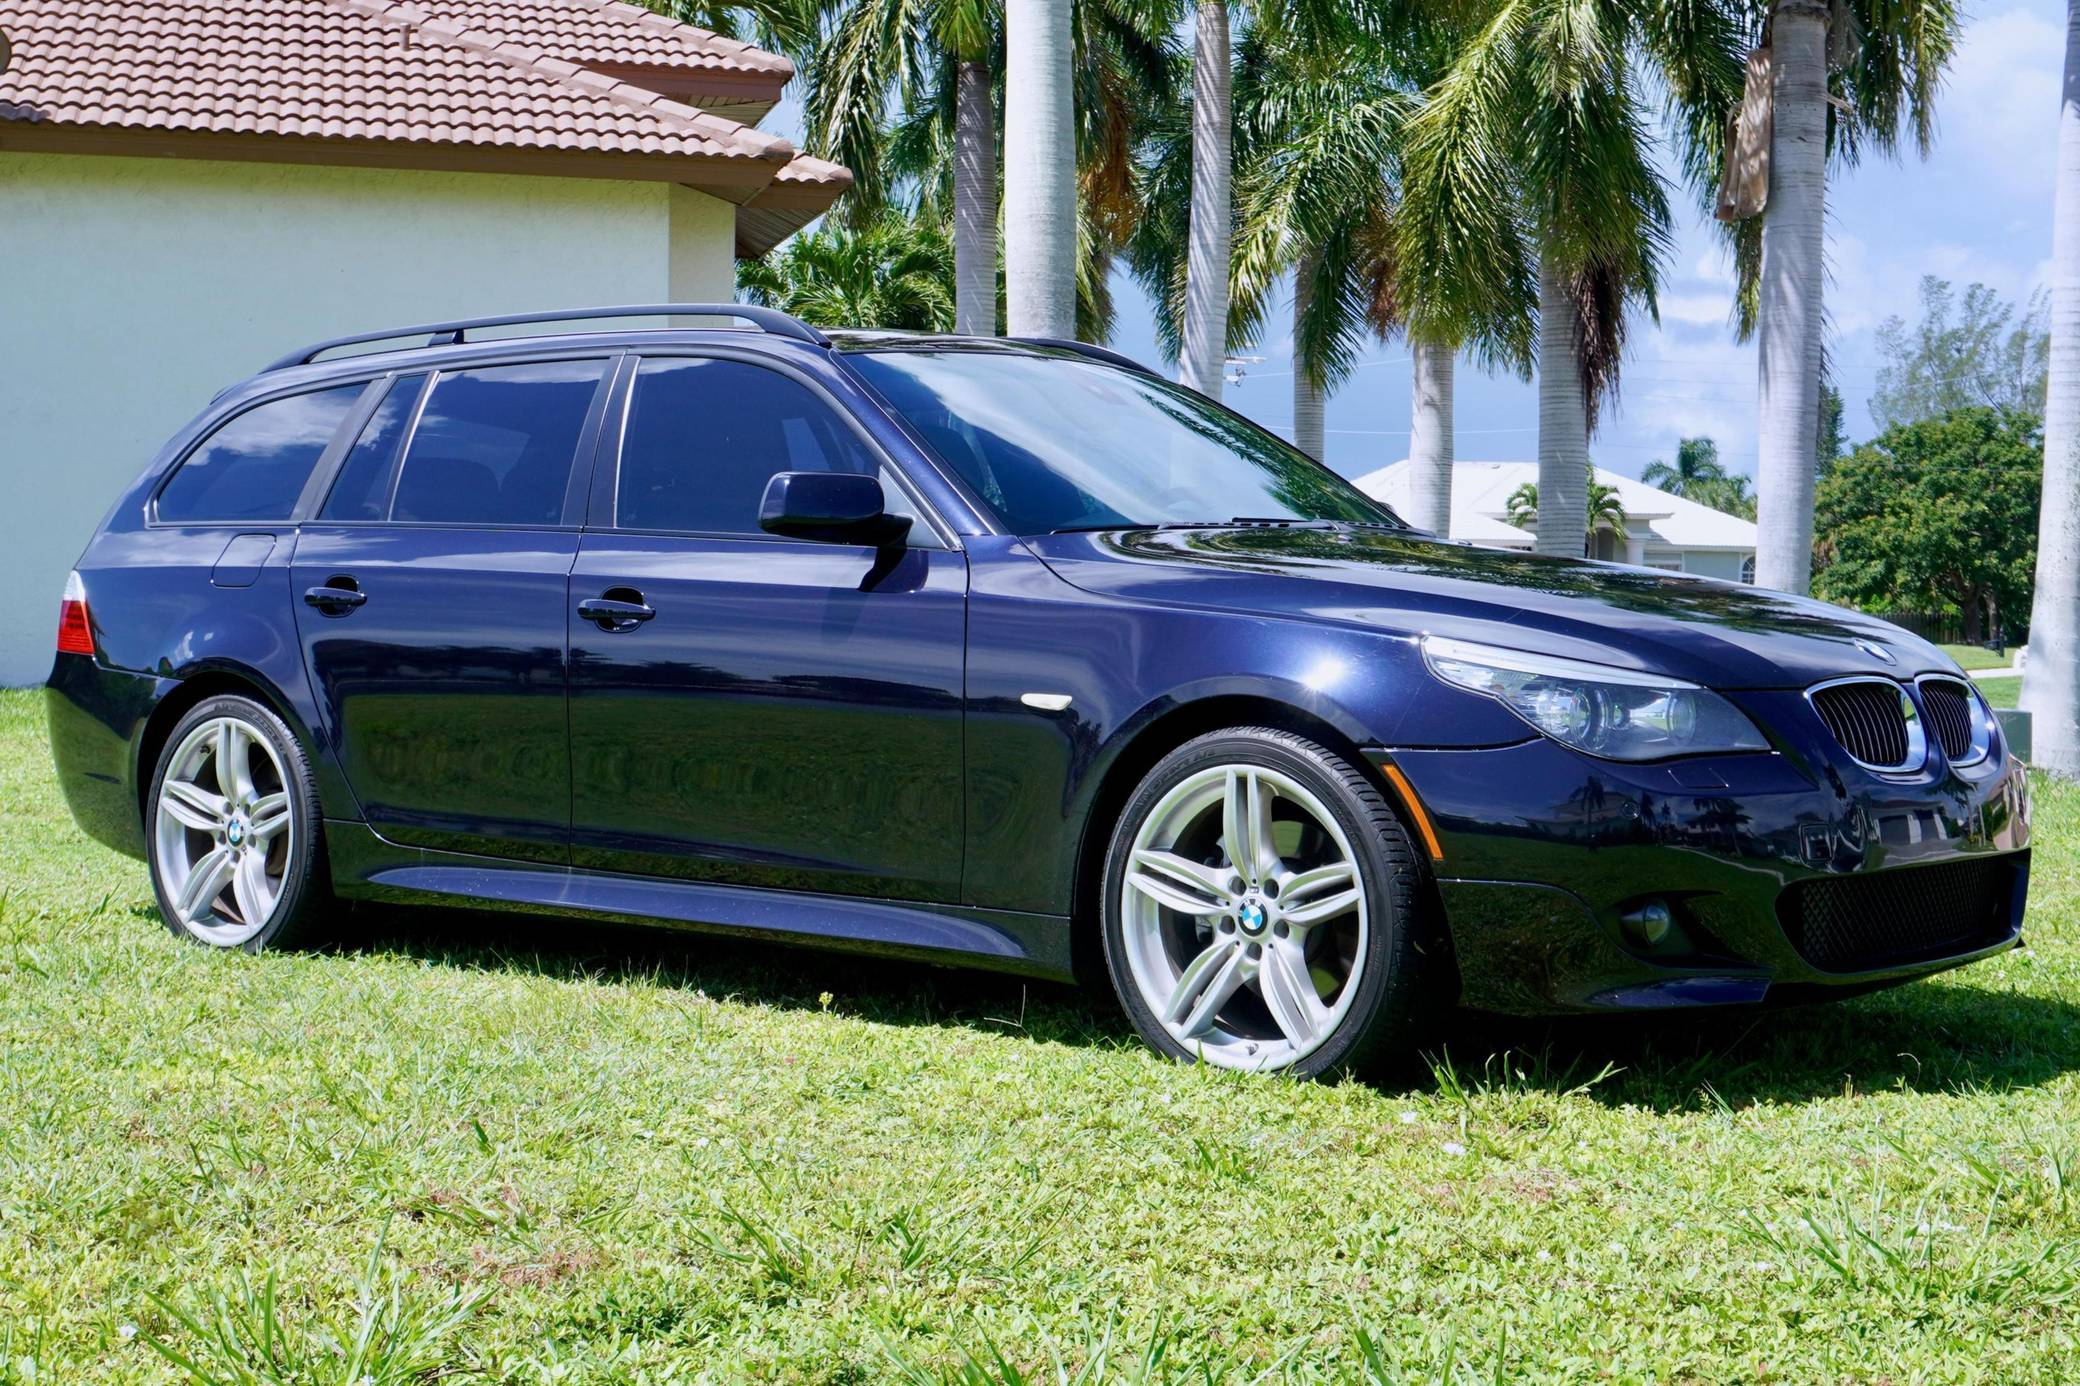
column 235, row 832
column 1876, row 651
column 1253, row 917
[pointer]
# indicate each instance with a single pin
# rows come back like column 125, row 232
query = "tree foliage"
column 1697, row 474
column 1974, row 350
column 1938, row 515
column 894, row 272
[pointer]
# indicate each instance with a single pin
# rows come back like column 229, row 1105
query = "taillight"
column 75, row 630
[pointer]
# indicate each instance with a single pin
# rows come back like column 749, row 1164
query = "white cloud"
column 2000, row 104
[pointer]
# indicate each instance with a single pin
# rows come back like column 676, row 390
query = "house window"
column 1748, row 570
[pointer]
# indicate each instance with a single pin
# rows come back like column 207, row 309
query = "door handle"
column 616, row 609
column 337, row 597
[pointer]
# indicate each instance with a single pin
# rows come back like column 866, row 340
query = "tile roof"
column 425, row 83
column 609, row 33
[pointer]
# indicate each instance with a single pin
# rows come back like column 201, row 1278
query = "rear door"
column 790, row 713
column 432, row 596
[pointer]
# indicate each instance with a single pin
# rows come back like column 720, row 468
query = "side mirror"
column 834, row 507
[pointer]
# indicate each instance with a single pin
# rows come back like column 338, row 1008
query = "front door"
column 789, row 713
column 432, row 597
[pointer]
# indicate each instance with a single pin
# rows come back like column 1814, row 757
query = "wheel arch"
column 193, row 688
column 1163, row 732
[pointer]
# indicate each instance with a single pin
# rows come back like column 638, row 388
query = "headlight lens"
column 1618, row 714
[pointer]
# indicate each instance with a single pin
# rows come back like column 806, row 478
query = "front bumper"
column 1545, row 852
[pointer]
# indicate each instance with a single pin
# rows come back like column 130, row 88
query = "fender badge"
column 1046, row 702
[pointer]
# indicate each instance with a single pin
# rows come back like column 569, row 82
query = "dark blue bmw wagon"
column 992, row 651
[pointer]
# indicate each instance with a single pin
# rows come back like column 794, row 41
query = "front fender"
column 1035, row 773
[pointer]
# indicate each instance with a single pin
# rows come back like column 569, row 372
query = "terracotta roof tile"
column 612, row 33
column 375, row 70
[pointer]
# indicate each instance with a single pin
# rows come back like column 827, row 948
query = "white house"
column 189, row 188
column 1661, row 530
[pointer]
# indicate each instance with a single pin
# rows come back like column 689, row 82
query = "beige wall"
column 132, row 290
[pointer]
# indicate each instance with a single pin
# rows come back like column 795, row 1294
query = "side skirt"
column 366, row 866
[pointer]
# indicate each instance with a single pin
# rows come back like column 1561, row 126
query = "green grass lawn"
column 497, row 1150
column 1978, row 657
column 2001, row 692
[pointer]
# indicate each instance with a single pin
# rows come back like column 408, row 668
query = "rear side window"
column 256, row 463
column 362, row 491
column 704, row 437
column 495, row 445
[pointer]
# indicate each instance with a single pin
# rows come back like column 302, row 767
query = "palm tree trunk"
column 1206, row 256
column 1793, row 247
column 1307, row 396
column 2051, row 683
column 1563, row 421
column 974, row 203
column 1039, row 170
column 1430, row 438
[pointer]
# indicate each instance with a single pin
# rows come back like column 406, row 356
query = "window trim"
column 606, row 491
column 329, row 456
column 584, row 454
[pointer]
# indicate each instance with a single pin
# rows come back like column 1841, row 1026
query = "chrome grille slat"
column 1950, row 712
column 1872, row 720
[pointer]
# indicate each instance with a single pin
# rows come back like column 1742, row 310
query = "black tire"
column 305, row 895
column 1386, row 1015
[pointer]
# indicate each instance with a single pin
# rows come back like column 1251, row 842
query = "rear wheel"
column 1260, row 900
column 234, row 829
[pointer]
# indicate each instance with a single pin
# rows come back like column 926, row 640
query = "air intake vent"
column 1856, row 923
column 1952, row 714
column 1873, row 720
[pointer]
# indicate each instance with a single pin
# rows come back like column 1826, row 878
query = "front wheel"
column 234, row 829
column 1260, row 908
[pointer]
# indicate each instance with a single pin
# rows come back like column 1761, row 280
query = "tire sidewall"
column 1379, row 1012
column 299, row 883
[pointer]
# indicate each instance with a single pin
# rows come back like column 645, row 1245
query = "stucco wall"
column 132, row 290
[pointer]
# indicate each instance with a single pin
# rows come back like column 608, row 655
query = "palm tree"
column 1604, row 508
column 1529, row 164
column 921, row 55
column 2051, row 685
column 1883, row 62
column 1696, row 468
column 1212, row 230
column 1318, row 114
column 891, row 273
column 1040, row 223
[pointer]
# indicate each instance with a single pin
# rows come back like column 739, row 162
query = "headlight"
column 1619, row 714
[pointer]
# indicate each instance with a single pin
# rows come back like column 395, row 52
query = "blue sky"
column 1979, row 208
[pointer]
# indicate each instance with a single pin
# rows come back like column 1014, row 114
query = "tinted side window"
column 362, row 490
column 254, row 466
column 495, row 445
column 705, row 436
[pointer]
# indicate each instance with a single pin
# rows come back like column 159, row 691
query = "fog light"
column 1648, row 924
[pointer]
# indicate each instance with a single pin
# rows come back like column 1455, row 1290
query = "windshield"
column 1056, row 441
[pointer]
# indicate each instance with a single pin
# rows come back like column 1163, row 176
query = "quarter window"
column 255, row 465
column 705, row 435
column 495, row 445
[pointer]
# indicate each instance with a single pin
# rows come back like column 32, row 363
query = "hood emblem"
column 1876, row 651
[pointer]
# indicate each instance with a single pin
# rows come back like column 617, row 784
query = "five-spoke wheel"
column 232, row 813
column 1258, row 903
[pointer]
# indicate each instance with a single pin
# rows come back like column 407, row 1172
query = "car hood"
column 1721, row 634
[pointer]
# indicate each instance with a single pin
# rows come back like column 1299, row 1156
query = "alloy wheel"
column 1245, row 919
column 225, row 831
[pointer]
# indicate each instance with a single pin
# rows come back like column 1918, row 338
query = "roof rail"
column 770, row 320
column 1095, row 353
